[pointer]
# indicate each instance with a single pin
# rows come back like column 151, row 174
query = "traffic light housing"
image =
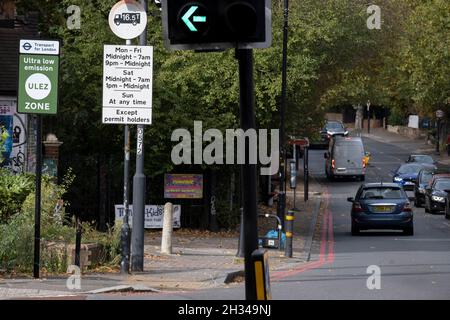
column 217, row 24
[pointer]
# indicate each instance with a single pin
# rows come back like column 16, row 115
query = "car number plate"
column 382, row 208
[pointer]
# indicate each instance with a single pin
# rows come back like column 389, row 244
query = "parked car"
column 422, row 158
column 423, row 179
column 331, row 129
column 447, row 205
column 436, row 196
column 381, row 206
column 345, row 157
column 406, row 174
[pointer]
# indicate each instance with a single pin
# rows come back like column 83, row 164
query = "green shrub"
column 397, row 117
column 13, row 191
column 57, row 233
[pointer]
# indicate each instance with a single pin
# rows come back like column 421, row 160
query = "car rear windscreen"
column 382, row 193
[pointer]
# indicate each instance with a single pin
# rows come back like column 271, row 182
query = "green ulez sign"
column 38, row 84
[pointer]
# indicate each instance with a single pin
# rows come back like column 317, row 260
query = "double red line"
column 326, row 242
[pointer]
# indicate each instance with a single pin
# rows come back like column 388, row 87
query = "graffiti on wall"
column 14, row 130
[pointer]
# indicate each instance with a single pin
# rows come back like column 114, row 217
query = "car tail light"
column 357, row 207
column 332, row 164
column 407, row 207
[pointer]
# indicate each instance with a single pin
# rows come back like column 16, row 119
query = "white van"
column 345, row 158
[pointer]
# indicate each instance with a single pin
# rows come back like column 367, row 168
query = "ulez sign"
column 38, row 77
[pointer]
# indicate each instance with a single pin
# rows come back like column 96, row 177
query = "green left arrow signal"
column 188, row 22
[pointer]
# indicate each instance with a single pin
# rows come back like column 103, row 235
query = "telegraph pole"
column 137, row 253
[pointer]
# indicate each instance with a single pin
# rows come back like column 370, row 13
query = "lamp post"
column 282, row 173
column 439, row 116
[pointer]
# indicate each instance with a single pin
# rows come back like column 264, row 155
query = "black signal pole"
column 248, row 171
column 282, row 194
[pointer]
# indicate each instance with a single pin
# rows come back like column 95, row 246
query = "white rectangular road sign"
column 127, row 84
column 49, row 47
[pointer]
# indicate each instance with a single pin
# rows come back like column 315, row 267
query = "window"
column 382, row 193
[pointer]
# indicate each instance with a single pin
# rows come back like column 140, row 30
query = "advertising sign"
column 154, row 215
column 183, row 186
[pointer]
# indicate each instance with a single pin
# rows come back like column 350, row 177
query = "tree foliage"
column 333, row 59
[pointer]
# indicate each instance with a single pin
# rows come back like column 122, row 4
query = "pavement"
column 420, row 145
column 327, row 263
column 199, row 260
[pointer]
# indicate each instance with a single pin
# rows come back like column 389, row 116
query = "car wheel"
column 362, row 178
column 355, row 230
column 417, row 203
column 447, row 214
column 409, row 231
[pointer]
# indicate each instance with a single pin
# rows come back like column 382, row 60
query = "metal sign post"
column 38, row 94
column 137, row 253
column 127, row 99
column 368, row 116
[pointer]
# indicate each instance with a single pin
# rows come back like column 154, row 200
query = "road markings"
column 327, row 238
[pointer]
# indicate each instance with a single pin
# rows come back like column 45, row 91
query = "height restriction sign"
column 38, row 77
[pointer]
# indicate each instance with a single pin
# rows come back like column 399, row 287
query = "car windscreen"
column 409, row 168
column 334, row 125
column 349, row 151
column 443, row 184
column 423, row 159
column 382, row 193
column 426, row 176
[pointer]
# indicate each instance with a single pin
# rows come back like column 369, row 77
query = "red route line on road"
column 327, row 237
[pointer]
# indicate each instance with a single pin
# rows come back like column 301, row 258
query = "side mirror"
column 351, row 199
column 325, row 155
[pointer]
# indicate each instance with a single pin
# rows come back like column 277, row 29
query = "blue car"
column 381, row 206
column 406, row 174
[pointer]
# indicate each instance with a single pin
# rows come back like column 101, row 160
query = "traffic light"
column 217, row 24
